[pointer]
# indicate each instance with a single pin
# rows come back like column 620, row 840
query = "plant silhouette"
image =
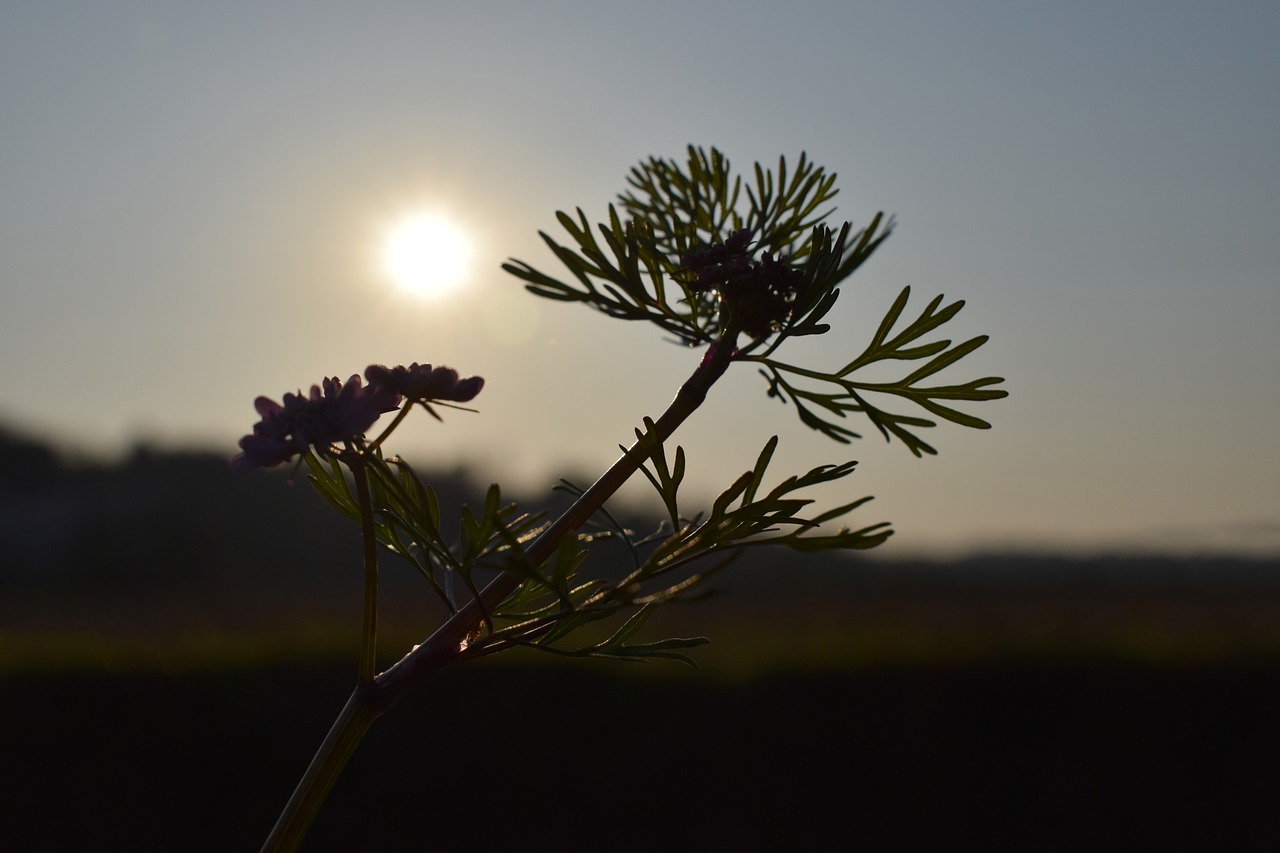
column 733, row 268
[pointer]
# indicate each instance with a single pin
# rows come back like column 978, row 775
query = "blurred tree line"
column 165, row 519
column 164, row 546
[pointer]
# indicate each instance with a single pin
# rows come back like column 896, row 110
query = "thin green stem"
column 400, row 416
column 369, row 634
column 778, row 368
column 361, row 709
column 348, row 729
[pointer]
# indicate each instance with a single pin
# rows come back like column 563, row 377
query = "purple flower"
column 715, row 266
column 760, row 293
column 423, row 383
column 337, row 413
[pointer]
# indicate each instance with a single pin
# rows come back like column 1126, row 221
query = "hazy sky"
column 193, row 196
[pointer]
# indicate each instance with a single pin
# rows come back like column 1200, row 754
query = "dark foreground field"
column 1052, row 757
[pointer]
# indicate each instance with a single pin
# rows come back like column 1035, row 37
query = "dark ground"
column 991, row 757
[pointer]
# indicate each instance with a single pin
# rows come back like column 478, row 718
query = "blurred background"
column 1075, row 627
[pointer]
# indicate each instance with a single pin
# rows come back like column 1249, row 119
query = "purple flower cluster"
column 338, row 412
column 422, row 382
column 332, row 414
column 759, row 293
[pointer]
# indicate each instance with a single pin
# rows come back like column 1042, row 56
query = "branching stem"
column 441, row 647
column 375, row 694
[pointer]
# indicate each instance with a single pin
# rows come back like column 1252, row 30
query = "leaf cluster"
column 553, row 601
column 841, row 393
column 408, row 521
column 676, row 560
column 630, row 268
column 550, row 602
column 744, row 515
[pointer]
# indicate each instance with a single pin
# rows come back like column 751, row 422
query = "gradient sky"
column 192, row 196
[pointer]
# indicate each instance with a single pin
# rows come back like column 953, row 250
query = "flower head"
column 423, row 383
column 715, row 266
column 332, row 414
column 759, row 293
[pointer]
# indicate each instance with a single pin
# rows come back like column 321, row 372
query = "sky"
column 194, row 197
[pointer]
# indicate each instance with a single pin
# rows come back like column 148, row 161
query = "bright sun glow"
column 426, row 254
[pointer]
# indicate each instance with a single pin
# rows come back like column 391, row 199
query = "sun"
column 426, row 254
